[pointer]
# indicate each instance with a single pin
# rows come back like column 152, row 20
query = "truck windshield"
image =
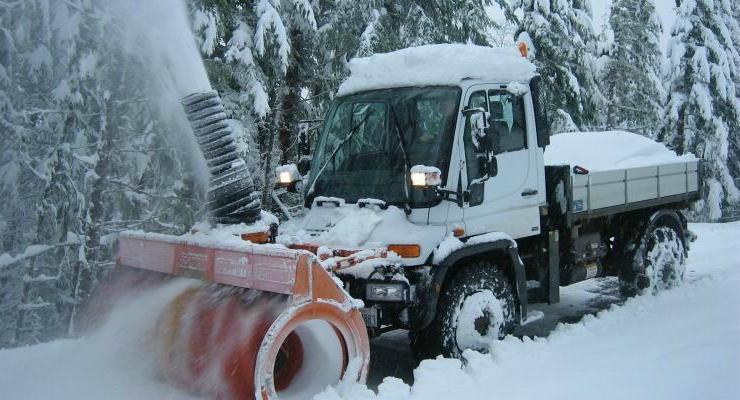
column 371, row 163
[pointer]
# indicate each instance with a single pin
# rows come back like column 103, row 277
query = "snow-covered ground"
column 682, row 344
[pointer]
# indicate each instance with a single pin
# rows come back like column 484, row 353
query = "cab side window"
column 507, row 121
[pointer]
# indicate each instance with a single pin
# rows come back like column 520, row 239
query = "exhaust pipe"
column 232, row 195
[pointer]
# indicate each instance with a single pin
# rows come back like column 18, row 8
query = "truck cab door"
column 508, row 201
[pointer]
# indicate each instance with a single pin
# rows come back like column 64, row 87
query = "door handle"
column 529, row 192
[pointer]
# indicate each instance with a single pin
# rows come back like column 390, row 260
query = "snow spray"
column 158, row 33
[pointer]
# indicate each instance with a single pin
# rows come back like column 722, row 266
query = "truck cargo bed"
column 599, row 193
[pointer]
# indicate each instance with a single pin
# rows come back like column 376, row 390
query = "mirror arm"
column 459, row 197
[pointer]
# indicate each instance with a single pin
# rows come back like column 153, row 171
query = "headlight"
column 424, row 177
column 287, row 175
column 386, row 291
column 285, row 178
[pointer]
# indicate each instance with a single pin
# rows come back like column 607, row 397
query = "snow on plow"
column 266, row 322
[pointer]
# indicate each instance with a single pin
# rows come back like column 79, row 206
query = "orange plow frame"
column 313, row 293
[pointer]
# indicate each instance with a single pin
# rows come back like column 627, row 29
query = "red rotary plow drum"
column 263, row 322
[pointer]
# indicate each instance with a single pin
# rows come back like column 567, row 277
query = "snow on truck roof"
column 436, row 64
column 604, row 151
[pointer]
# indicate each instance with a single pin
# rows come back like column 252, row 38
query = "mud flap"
column 553, row 267
column 521, row 281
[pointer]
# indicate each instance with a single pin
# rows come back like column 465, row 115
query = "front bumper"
column 390, row 298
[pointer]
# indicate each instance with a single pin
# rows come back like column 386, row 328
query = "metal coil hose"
column 232, row 195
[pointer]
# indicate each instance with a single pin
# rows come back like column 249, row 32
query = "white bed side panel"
column 607, row 189
column 672, row 179
column 693, row 176
column 602, row 189
column 642, row 184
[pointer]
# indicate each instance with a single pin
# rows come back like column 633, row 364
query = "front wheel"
column 476, row 309
column 658, row 263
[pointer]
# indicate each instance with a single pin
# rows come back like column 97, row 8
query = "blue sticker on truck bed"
column 578, row 205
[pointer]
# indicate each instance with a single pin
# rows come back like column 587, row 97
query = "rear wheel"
column 657, row 264
column 476, row 309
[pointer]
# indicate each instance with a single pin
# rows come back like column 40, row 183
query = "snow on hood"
column 602, row 151
column 350, row 226
column 438, row 64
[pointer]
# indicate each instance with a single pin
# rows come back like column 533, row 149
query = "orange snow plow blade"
column 290, row 332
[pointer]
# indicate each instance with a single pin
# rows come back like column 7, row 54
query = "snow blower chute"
column 266, row 321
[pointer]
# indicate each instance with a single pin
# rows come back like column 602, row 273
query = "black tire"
column 477, row 307
column 658, row 262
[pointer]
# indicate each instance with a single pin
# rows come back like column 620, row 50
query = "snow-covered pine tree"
column 260, row 59
column 345, row 29
column 85, row 158
column 282, row 42
column 505, row 23
column 47, row 104
column 454, row 21
column 563, row 44
column 703, row 110
column 630, row 76
column 396, row 25
column 733, row 159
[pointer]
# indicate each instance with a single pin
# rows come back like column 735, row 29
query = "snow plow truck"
column 435, row 203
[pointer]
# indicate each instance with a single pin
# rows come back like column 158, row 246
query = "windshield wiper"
column 336, row 149
column 407, row 165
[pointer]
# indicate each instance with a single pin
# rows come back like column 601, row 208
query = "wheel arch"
column 668, row 217
column 632, row 227
column 501, row 252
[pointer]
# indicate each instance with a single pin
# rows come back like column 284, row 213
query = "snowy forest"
column 92, row 140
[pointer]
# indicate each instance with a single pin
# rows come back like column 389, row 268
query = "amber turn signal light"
column 406, row 250
column 523, row 49
column 257, row 237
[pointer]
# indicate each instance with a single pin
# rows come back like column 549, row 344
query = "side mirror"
column 540, row 113
column 488, row 165
column 489, row 168
column 288, row 177
column 425, row 177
